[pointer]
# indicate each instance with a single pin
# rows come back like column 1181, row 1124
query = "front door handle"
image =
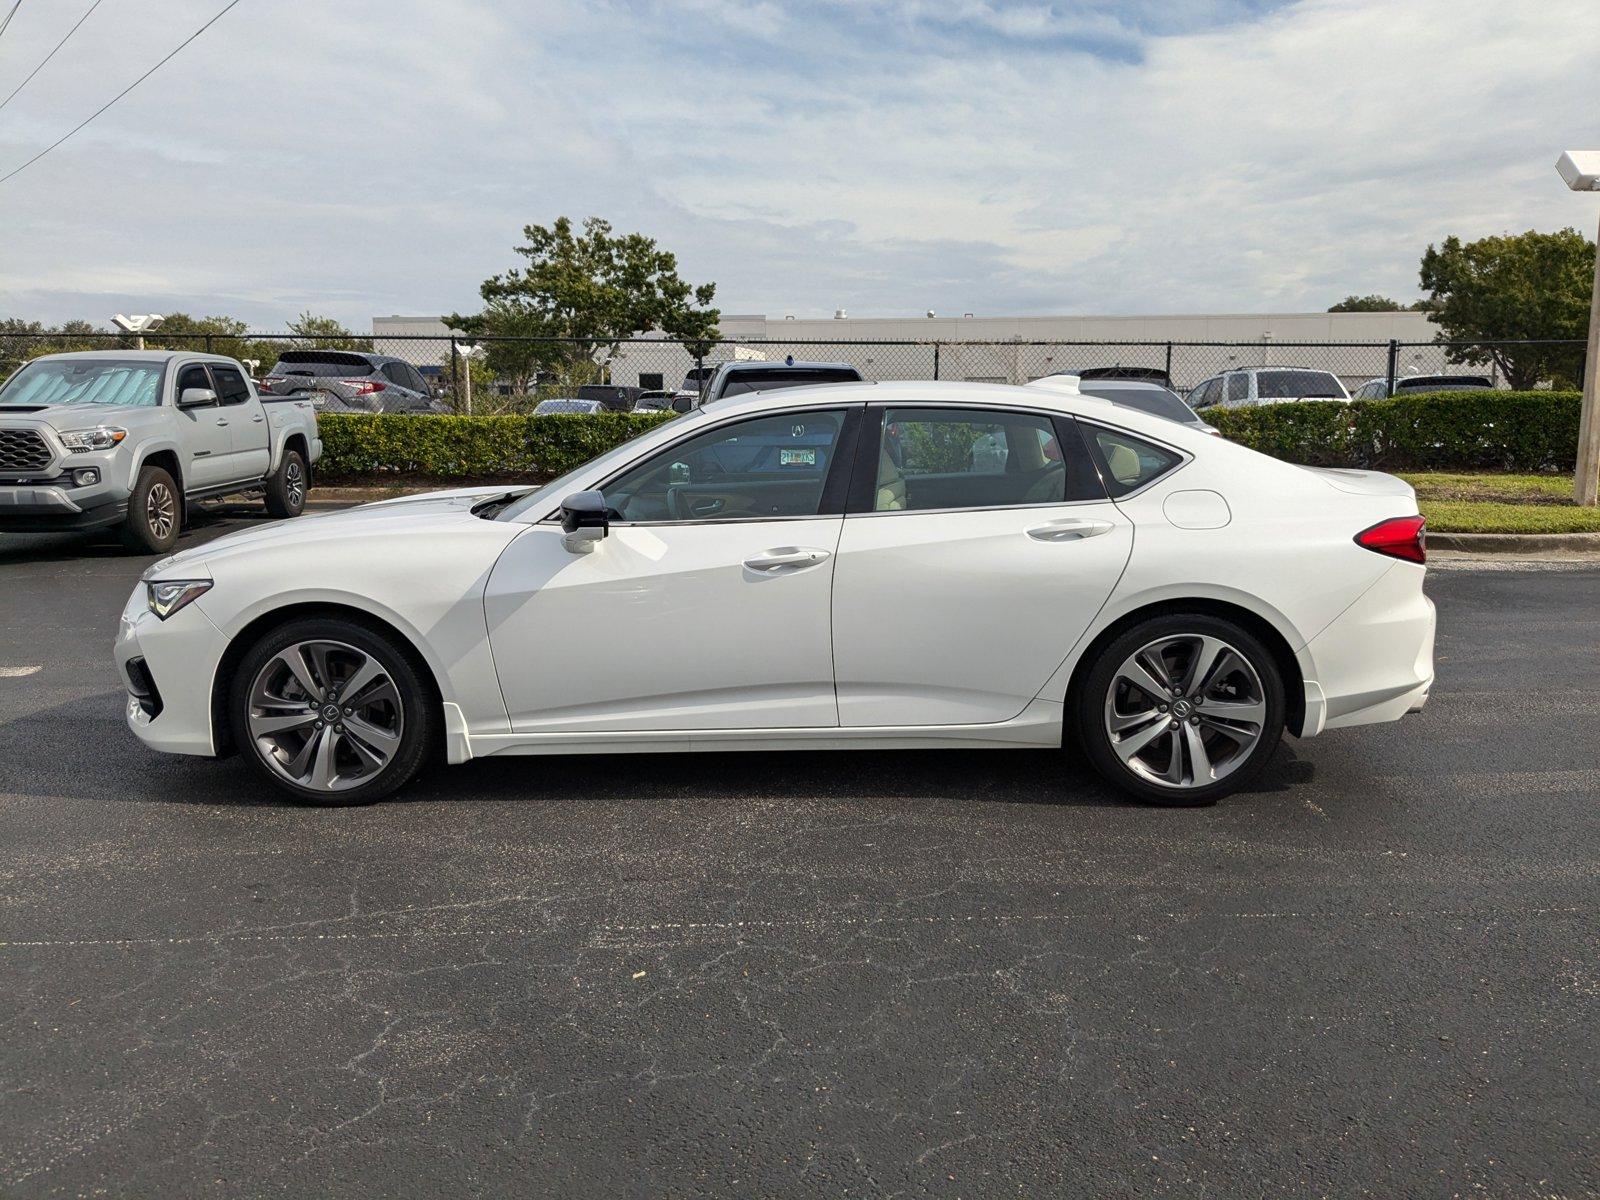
column 786, row 558
column 1071, row 529
column 222, row 421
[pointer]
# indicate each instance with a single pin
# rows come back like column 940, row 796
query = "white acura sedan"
column 893, row 565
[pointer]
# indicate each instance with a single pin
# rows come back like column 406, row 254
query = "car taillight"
column 1398, row 537
column 362, row 387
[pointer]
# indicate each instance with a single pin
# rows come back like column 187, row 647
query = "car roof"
column 937, row 394
column 151, row 356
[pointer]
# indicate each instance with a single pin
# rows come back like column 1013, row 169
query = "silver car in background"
column 1250, row 386
column 351, row 381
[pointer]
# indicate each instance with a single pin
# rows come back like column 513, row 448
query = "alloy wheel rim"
column 296, row 488
column 160, row 510
column 325, row 715
column 1185, row 711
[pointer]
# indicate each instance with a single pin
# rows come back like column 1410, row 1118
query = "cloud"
column 884, row 156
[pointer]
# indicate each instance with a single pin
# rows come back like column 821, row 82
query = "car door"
column 206, row 438
column 248, row 434
column 706, row 606
column 978, row 547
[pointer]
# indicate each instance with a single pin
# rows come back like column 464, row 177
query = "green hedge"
column 1470, row 431
column 358, row 447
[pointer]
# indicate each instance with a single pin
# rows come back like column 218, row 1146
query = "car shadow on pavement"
column 203, row 522
column 1036, row 777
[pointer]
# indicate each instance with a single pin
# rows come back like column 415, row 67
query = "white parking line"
column 18, row 672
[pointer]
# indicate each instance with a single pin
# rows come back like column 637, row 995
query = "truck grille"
column 22, row 450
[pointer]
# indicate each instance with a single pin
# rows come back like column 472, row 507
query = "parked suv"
column 1266, row 385
column 1378, row 389
column 351, row 381
column 125, row 438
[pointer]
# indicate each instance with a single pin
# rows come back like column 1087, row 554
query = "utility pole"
column 1581, row 171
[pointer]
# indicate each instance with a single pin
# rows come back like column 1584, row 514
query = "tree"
column 517, row 362
column 23, row 340
column 325, row 333
column 1515, row 286
column 595, row 289
column 1372, row 303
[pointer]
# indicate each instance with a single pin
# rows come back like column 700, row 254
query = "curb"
column 1515, row 543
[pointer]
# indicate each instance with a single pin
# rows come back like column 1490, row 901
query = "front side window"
column 1238, row 389
column 192, row 377
column 774, row 466
column 1130, row 462
column 961, row 458
column 108, row 382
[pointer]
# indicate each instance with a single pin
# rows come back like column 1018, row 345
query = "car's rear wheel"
column 332, row 711
column 287, row 486
column 155, row 512
column 1181, row 709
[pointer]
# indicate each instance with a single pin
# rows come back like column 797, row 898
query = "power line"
column 9, row 15
column 49, row 56
column 75, row 129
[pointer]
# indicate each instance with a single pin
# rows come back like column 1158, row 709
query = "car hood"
column 406, row 517
column 63, row 417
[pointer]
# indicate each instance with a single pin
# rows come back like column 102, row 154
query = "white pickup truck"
column 126, row 438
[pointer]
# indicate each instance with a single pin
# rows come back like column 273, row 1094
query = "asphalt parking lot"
column 943, row 974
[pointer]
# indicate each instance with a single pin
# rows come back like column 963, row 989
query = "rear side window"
column 1128, row 462
column 964, row 458
column 231, row 387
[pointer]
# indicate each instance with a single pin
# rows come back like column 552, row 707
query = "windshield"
column 1158, row 402
column 770, row 381
column 537, row 501
column 331, row 367
column 132, row 383
column 1280, row 385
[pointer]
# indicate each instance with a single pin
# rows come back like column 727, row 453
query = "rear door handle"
column 258, row 420
column 1071, row 529
column 786, row 558
column 221, row 421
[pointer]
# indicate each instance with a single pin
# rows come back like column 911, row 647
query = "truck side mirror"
column 193, row 397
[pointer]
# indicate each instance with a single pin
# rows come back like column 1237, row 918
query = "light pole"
column 1581, row 170
column 468, row 352
column 138, row 325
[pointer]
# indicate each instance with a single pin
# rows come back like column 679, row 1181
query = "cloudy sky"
column 361, row 157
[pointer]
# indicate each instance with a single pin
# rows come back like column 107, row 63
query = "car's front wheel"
column 1181, row 709
column 332, row 711
column 155, row 512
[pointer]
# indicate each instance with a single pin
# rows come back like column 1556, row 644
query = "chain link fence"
column 511, row 374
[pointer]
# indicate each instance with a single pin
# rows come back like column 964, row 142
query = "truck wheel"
column 286, row 487
column 155, row 513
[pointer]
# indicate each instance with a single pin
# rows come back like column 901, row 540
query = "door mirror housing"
column 584, row 521
column 196, row 397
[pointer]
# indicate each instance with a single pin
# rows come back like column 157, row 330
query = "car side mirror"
column 682, row 404
column 196, row 397
column 584, row 521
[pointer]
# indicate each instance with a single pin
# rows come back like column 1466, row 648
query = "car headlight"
column 101, row 437
column 169, row 595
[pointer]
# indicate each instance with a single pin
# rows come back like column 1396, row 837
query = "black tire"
column 417, row 726
column 1092, row 715
column 155, row 513
column 288, row 485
